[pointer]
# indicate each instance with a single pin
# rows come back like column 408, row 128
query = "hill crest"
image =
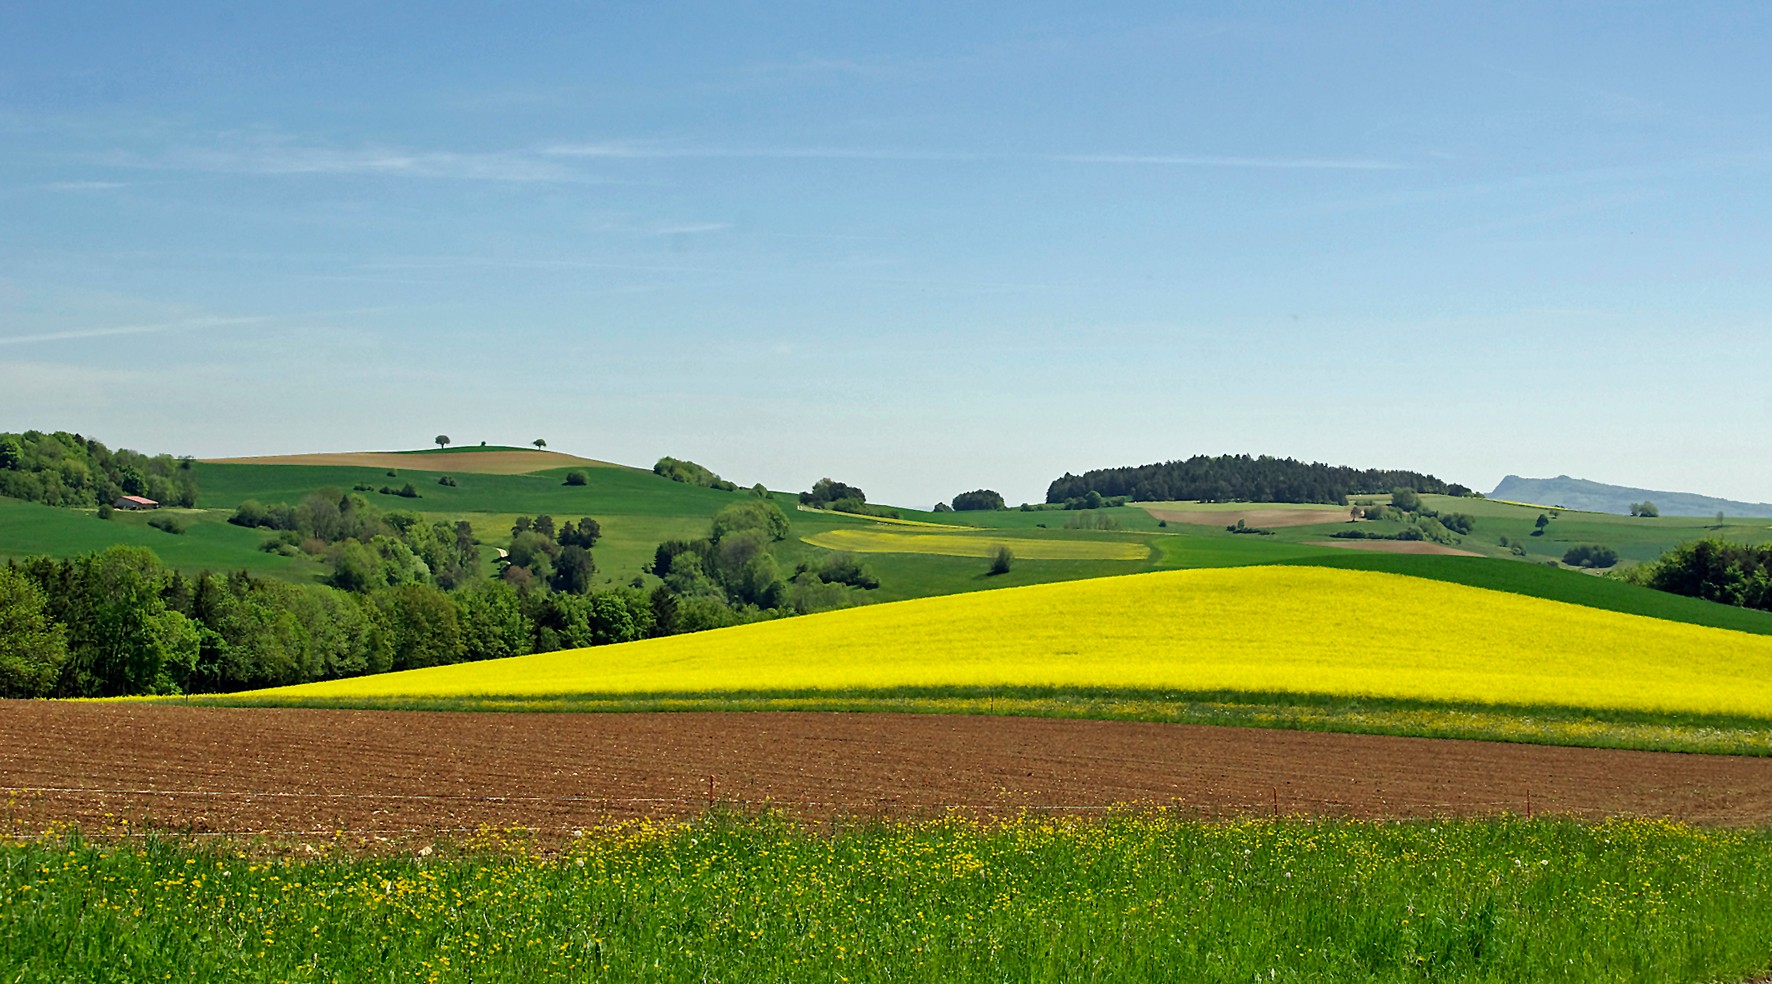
column 1582, row 494
column 470, row 461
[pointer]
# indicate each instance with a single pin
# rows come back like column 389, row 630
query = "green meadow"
column 1132, row 897
column 638, row 510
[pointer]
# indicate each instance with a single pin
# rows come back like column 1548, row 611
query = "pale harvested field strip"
column 1395, row 546
column 974, row 544
column 465, row 462
column 287, row 769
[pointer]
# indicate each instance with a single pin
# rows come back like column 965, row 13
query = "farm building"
column 134, row 502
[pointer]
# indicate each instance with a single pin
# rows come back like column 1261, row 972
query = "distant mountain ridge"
column 1579, row 493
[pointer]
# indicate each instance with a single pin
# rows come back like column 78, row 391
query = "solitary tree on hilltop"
column 442, row 440
column 539, row 443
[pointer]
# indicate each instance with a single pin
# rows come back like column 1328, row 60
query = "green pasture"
column 637, row 510
column 28, row 529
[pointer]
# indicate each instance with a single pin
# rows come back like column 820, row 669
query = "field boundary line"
column 698, row 801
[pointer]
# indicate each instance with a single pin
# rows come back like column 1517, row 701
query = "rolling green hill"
column 638, row 510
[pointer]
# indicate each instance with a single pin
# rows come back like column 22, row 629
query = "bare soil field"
column 465, row 462
column 1260, row 518
column 1396, row 546
column 402, row 774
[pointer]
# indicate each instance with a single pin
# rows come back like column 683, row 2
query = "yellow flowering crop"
column 973, row 544
column 1266, row 629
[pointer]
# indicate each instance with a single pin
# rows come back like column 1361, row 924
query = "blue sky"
column 919, row 248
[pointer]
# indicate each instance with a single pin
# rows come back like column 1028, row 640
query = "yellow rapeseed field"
column 974, row 544
column 1266, row 629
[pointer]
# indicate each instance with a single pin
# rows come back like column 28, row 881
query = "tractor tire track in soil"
column 419, row 773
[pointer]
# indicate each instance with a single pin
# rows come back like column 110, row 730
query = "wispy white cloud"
column 188, row 324
column 276, row 155
column 643, row 150
column 86, row 185
column 689, row 228
column 1198, row 160
column 284, row 157
column 640, row 150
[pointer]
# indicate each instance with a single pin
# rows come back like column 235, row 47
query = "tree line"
column 1241, row 478
column 120, row 622
column 63, row 469
column 1714, row 569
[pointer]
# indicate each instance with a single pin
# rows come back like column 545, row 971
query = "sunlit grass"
column 966, row 543
column 1135, row 897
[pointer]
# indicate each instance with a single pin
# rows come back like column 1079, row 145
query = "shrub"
column 1002, row 558
column 1590, row 555
column 1089, row 519
column 979, row 499
column 575, row 478
column 446, row 480
column 170, row 524
column 104, row 510
column 1460, row 523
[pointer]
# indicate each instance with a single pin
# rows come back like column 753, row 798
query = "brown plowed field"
column 405, row 773
column 1258, row 518
column 466, row 462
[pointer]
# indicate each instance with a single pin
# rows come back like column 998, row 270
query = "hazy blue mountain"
column 1579, row 493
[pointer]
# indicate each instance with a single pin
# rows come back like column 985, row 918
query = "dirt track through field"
column 412, row 773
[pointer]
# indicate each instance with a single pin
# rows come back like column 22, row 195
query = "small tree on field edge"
column 442, row 440
column 539, row 443
column 1002, row 558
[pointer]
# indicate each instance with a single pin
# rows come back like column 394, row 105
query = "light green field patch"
column 966, row 544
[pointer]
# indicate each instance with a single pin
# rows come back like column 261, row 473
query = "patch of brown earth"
column 465, row 462
column 1396, row 546
column 415, row 773
column 1259, row 518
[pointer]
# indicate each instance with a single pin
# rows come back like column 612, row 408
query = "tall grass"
column 1132, row 897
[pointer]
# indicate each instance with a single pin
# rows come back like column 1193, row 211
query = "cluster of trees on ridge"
column 690, row 473
column 63, row 469
column 1423, row 522
column 1241, row 478
column 366, row 547
column 838, row 496
column 733, row 568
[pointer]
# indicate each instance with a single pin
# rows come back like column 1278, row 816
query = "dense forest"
column 63, row 469
column 1240, row 478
